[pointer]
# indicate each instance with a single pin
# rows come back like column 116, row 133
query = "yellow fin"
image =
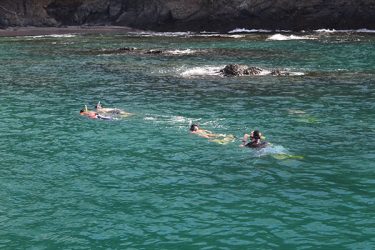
column 287, row 156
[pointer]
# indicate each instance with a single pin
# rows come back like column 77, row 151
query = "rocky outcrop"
column 193, row 15
column 243, row 70
column 240, row 70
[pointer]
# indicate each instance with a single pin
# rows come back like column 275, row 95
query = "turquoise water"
column 145, row 182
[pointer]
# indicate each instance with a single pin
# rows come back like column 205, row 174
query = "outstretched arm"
column 244, row 140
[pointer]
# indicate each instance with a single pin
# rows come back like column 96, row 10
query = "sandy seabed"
column 35, row 31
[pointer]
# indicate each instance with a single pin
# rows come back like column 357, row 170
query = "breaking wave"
column 215, row 71
column 242, row 30
column 161, row 34
column 201, row 71
column 280, row 37
column 181, row 52
column 55, row 36
column 344, row 31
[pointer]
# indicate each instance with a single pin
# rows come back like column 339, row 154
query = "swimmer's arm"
column 244, row 140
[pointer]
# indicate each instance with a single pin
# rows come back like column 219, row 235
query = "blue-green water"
column 145, row 182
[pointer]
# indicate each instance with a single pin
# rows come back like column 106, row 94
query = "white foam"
column 243, row 30
column 325, row 30
column 161, row 34
column 181, row 52
column 148, row 118
column 344, row 31
column 296, row 73
column 215, row 71
column 365, row 31
column 202, row 71
column 280, row 37
column 264, row 72
column 180, row 121
column 222, row 35
column 270, row 150
column 55, row 36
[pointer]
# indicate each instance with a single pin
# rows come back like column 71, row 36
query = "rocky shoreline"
column 191, row 15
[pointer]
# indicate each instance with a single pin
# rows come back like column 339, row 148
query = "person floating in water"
column 110, row 111
column 218, row 138
column 93, row 115
column 255, row 140
column 194, row 129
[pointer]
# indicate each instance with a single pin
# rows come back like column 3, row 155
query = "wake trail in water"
column 277, row 152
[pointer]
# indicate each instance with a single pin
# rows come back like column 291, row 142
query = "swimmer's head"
column 98, row 106
column 193, row 127
column 81, row 111
column 256, row 135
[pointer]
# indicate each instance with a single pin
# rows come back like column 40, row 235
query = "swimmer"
column 194, row 129
column 110, row 111
column 89, row 114
column 255, row 140
column 93, row 115
column 217, row 138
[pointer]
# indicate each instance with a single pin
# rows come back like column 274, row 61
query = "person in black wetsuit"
column 255, row 140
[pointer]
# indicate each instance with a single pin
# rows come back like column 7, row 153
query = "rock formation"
column 192, row 15
column 240, row 70
column 243, row 70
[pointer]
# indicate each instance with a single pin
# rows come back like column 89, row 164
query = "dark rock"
column 240, row 70
column 154, row 51
column 126, row 49
column 278, row 72
column 252, row 71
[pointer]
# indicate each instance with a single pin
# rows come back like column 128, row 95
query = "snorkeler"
column 93, row 115
column 217, row 138
column 110, row 111
column 89, row 114
column 194, row 129
column 255, row 140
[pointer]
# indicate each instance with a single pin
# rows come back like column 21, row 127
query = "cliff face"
column 193, row 15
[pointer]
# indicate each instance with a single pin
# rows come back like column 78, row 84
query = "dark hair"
column 256, row 135
column 81, row 111
column 192, row 127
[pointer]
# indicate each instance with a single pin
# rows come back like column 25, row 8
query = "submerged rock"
column 154, row 51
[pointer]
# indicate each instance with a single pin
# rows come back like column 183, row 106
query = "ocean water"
column 145, row 182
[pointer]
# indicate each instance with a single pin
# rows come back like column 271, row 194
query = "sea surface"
column 146, row 182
